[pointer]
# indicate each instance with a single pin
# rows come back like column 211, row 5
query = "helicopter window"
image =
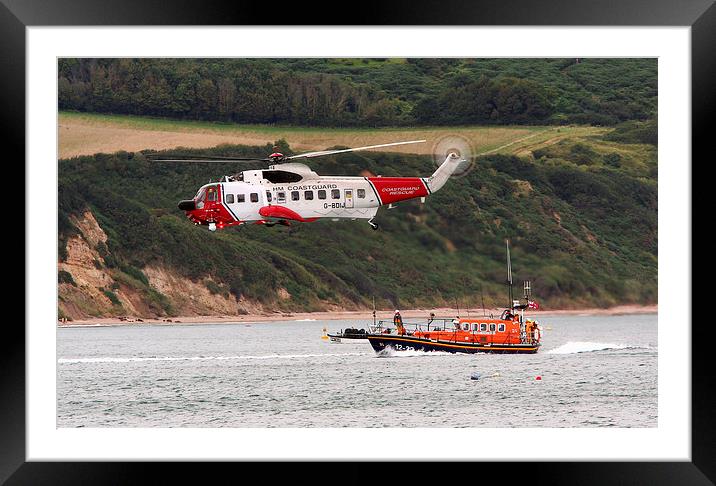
column 268, row 196
column 240, row 198
column 254, row 197
column 308, row 195
column 294, row 196
column 229, row 199
column 483, row 327
column 335, row 193
column 321, row 194
column 501, row 328
column 492, row 328
column 281, row 176
column 281, row 197
column 361, row 193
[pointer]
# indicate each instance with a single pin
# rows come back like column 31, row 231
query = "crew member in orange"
column 398, row 321
column 529, row 327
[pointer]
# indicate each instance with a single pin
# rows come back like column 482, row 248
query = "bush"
column 66, row 277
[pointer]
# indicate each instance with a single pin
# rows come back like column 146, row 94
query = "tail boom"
column 436, row 181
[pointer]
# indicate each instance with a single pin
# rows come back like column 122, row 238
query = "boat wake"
column 392, row 353
column 133, row 359
column 574, row 347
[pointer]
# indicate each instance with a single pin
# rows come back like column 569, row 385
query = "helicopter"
column 289, row 191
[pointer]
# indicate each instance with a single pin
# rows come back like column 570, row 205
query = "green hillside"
column 365, row 92
column 581, row 216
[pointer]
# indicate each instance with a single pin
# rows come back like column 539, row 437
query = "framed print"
column 129, row 113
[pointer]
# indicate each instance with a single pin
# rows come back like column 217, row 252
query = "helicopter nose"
column 187, row 205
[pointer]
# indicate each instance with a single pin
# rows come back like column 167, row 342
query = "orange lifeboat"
column 510, row 333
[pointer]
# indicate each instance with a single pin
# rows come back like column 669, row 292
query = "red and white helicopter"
column 291, row 192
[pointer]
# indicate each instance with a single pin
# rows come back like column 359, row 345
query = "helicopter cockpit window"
column 211, row 194
column 200, row 196
column 281, row 176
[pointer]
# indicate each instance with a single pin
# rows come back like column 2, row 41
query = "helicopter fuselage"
column 293, row 192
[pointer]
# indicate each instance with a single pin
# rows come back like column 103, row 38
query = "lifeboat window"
column 229, row 199
column 211, row 194
column 321, row 194
column 466, row 326
column 361, row 193
column 308, row 195
column 335, row 193
column 492, row 328
column 240, row 198
column 475, row 326
column 483, row 327
column 294, row 196
column 254, row 197
column 501, row 328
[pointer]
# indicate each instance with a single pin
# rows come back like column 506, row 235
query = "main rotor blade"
column 330, row 152
column 201, row 158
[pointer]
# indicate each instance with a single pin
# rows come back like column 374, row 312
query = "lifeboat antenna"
column 374, row 311
column 509, row 273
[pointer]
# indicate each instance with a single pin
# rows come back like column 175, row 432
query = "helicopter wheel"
column 373, row 226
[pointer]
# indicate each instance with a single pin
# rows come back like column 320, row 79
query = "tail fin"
column 443, row 173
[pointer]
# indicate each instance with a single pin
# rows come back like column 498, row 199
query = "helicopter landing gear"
column 372, row 224
column 212, row 226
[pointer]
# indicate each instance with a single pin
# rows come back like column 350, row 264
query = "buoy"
column 538, row 378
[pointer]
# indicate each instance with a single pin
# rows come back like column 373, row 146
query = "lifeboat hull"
column 410, row 343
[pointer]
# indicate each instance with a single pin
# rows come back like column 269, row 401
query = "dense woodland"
column 581, row 215
column 365, row 92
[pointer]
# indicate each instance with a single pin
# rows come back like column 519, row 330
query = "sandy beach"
column 348, row 315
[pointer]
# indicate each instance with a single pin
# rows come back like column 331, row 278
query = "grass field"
column 87, row 134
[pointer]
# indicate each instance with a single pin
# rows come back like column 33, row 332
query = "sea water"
column 592, row 371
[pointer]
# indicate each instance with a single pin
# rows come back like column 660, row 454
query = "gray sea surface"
column 595, row 371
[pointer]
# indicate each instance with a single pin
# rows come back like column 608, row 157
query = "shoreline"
column 346, row 315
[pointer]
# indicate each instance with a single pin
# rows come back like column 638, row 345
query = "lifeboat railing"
column 388, row 326
column 434, row 324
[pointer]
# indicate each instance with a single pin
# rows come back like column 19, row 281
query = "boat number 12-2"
column 400, row 347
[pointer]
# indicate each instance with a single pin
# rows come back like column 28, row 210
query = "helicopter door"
column 349, row 198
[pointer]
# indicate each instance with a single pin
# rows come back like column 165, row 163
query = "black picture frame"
column 16, row 15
